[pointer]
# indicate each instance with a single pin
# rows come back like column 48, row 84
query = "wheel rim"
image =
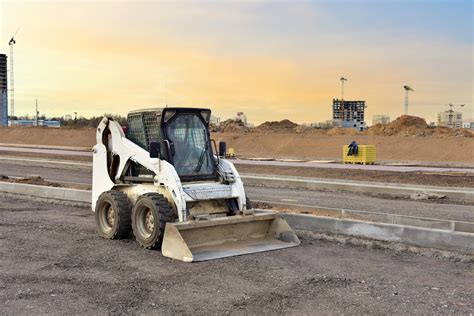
column 107, row 217
column 145, row 222
column 110, row 216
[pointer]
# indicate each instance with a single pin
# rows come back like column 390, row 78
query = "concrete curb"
column 46, row 147
column 355, row 186
column 423, row 237
column 432, row 233
column 51, row 193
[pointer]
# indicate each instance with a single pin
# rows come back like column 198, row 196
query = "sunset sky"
column 271, row 60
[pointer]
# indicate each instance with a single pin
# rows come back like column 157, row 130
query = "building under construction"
column 3, row 91
column 450, row 119
column 349, row 114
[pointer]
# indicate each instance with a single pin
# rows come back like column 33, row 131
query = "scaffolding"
column 348, row 113
column 3, row 91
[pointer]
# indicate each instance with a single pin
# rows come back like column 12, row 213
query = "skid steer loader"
column 162, row 179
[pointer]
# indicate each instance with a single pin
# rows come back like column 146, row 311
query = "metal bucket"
column 226, row 237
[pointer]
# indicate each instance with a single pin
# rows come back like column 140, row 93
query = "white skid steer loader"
column 162, row 180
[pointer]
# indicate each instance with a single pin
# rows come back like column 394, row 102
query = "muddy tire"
column 112, row 215
column 149, row 217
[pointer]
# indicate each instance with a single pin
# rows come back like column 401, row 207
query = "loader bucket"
column 226, row 237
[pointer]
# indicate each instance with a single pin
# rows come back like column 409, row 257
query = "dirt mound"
column 64, row 136
column 405, row 125
column 452, row 132
column 276, row 126
column 230, row 126
column 36, row 180
column 339, row 131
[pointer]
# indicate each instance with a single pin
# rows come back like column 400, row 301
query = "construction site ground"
column 54, row 262
column 456, row 179
column 291, row 198
column 404, row 141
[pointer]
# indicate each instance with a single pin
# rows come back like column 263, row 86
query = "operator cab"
column 178, row 135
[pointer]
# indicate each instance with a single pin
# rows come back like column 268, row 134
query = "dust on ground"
column 61, row 266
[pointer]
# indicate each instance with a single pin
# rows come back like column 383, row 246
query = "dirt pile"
column 36, row 180
column 339, row 131
column 230, row 126
column 64, row 136
column 276, row 126
column 407, row 125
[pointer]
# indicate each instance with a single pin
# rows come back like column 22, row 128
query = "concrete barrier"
column 419, row 236
column 53, row 193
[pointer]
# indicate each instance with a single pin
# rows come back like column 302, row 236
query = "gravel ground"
column 447, row 179
column 450, row 210
column 52, row 261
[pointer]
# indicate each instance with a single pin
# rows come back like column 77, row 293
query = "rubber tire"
column 122, row 207
column 248, row 203
column 161, row 210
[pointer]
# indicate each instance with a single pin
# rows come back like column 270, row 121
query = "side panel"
column 237, row 186
column 120, row 146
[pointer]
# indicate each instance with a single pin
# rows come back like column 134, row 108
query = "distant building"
column 67, row 117
column 450, row 119
column 215, row 120
column 241, row 117
column 468, row 125
column 380, row 119
column 3, row 91
column 45, row 123
column 348, row 114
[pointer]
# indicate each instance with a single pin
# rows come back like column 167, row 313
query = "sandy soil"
column 283, row 144
column 84, row 137
column 312, row 146
column 54, row 262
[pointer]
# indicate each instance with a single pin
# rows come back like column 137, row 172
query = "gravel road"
column 52, row 261
column 362, row 202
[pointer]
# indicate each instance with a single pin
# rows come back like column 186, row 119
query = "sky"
column 272, row 60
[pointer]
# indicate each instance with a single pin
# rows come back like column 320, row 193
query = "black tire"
column 149, row 217
column 112, row 215
column 248, row 203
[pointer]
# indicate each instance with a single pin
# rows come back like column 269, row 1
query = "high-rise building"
column 3, row 91
column 380, row 119
column 348, row 114
column 450, row 119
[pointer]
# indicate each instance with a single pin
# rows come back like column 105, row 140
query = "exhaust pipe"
column 222, row 237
